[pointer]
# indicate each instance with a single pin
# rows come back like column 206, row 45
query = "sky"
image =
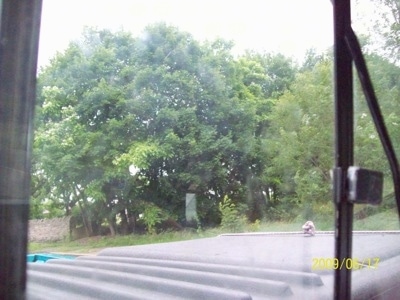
column 280, row 26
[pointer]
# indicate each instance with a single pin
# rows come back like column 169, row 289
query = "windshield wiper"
column 369, row 93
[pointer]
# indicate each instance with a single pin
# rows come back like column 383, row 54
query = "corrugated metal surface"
column 225, row 267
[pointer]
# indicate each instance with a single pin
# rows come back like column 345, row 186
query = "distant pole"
column 19, row 36
column 344, row 141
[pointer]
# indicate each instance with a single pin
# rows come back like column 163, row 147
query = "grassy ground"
column 388, row 220
column 92, row 245
column 383, row 221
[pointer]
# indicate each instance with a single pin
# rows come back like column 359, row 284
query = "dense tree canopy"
column 186, row 117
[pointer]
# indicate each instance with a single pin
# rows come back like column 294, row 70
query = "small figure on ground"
column 309, row 228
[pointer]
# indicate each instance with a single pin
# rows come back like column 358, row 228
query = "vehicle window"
column 159, row 121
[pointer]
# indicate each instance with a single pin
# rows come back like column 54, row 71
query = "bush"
column 231, row 219
column 152, row 216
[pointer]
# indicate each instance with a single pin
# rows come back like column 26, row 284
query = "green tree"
column 369, row 153
column 191, row 125
column 391, row 27
column 301, row 145
column 188, row 116
column 81, row 124
column 160, row 102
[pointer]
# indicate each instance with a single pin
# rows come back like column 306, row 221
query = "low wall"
column 49, row 230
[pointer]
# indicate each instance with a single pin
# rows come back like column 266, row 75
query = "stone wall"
column 49, row 230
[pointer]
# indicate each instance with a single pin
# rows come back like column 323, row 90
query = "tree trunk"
column 86, row 222
column 124, row 222
column 111, row 226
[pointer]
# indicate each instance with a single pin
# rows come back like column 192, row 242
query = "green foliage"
column 231, row 219
column 255, row 226
column 185, row 114
column 301, row 143
column 387, row 220
column 387, row 26
column 191, row 116
column 152, row 216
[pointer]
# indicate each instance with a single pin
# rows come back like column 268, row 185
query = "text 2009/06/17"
column 327, row 263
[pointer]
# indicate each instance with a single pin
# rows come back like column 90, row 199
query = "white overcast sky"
column 286, row 26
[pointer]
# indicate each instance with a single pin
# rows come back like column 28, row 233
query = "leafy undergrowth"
column 387, row 220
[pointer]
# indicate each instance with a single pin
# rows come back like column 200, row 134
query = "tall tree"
column 384, row 28
column 385, row 76
column 163, row 103
column 301, row 144
column 391, row 31
column 191, row 124
column 81, row 121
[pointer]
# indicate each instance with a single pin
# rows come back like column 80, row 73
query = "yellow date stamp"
column 329, row 263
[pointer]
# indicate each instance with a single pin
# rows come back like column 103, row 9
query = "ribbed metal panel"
column 226, row 267
column 105, row 277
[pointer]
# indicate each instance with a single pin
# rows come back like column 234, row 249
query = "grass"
column 387, row 220
column 94, row 244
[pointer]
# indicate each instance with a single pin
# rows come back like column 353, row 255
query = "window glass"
column 171, row 120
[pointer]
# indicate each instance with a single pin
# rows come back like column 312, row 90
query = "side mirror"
column 365, row 186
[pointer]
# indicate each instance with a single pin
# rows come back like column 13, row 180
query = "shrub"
column 152, row 216
column 231, row 219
